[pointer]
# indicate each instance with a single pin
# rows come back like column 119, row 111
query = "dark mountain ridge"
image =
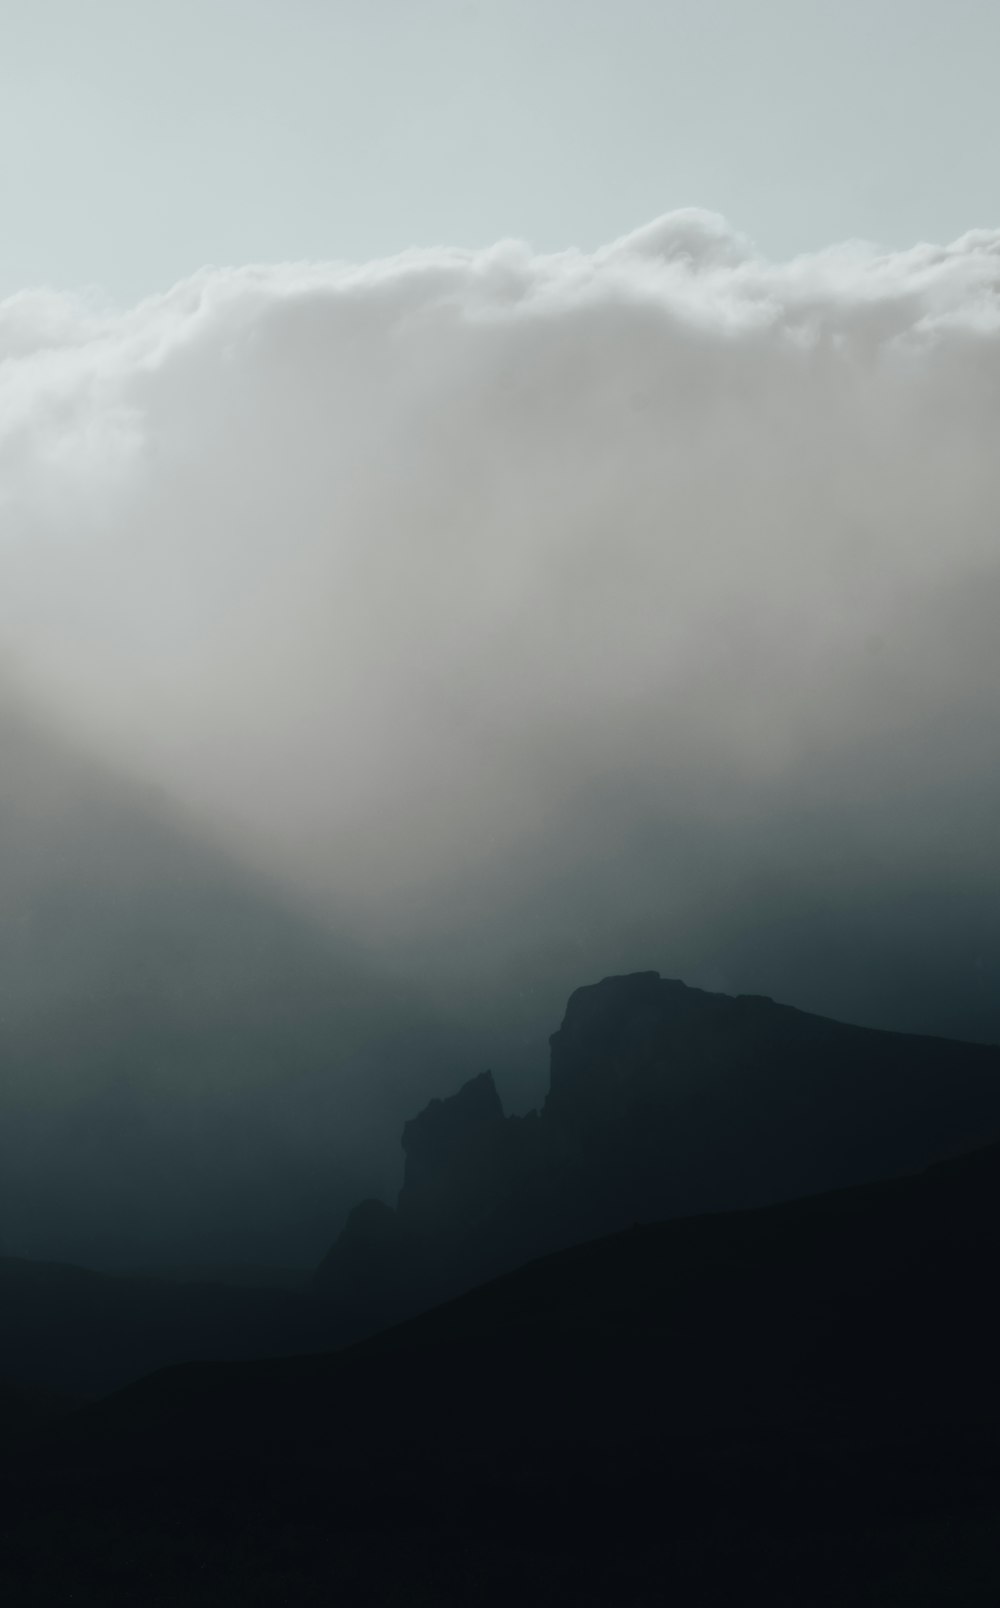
column 664, row 1101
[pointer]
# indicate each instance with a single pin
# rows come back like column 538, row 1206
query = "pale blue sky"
column 140, row 139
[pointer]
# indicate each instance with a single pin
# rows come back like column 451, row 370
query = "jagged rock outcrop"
column 448, row 1147
column 664, row 1101
column 469, row 1185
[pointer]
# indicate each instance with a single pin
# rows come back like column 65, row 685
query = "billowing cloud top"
column 529, row 600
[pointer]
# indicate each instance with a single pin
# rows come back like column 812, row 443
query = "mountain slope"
column 797, row 1405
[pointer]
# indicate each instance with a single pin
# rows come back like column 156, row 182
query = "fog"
column 493, row 622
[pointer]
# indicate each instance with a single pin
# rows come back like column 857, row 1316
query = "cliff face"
column 663, row 1101
column 672, row 1100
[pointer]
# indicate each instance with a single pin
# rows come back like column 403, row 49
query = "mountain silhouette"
column 664, row 1101
column 69, row 1329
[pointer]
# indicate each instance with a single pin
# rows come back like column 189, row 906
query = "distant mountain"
column 664, row 1101
column 797, row 1405
column 68, row 1329
column 241, row 1275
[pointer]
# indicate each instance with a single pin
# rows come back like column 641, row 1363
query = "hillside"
column 797, row 1405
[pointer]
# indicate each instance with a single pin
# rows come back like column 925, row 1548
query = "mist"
column 501, row 621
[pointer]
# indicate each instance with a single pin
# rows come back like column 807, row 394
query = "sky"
column 490, row 497
column 140, row 141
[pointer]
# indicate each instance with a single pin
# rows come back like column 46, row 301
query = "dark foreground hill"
column 664, row 1101
column 25, row 1407
column 798, row 1405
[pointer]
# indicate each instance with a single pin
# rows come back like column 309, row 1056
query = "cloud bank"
column 541, row 615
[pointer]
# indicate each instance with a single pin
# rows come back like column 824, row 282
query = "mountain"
column 796, row 1405
column 69, row 1329
column 664, row 1101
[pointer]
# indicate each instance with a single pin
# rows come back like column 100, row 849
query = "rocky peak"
column 446, row 1135
column 613, row 1028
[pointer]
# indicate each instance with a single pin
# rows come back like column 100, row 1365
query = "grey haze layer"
column 519, row 618
column 187, row 1063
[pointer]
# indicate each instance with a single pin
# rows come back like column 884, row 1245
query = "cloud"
column 555, row 611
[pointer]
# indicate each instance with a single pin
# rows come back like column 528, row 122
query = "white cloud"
column 433, row 577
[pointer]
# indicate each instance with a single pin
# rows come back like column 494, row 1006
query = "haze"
column 487, row 616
